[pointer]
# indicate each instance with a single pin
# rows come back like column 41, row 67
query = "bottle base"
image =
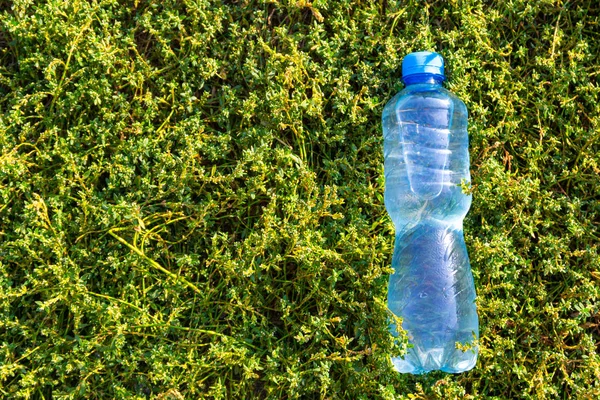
column 433, row 360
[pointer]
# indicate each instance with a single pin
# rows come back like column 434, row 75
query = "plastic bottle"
column 426, row 161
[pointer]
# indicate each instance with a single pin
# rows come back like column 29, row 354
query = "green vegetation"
column 191, row 196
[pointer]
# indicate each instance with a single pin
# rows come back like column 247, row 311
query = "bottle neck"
column 431, row 79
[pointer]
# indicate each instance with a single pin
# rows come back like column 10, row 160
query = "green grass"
column 191, row 197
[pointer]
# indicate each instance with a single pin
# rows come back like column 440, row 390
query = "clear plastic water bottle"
column 426, row 161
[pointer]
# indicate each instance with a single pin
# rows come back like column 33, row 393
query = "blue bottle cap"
column 422, row 62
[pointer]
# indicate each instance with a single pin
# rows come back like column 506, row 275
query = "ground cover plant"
column 191, row 196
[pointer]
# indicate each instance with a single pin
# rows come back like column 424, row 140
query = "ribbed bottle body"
column 426, row 161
